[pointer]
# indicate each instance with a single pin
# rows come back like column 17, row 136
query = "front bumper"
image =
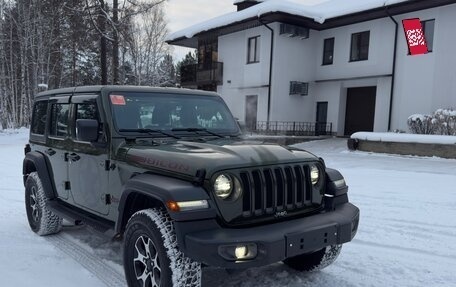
column 275, row 242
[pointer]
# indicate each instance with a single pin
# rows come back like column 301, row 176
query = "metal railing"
column 291, row 128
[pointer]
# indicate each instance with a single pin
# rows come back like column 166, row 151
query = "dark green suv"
column 167, row 172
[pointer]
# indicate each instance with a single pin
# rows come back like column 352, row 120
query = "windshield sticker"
column 118, row 100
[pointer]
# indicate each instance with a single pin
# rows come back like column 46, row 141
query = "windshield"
column 173, row 112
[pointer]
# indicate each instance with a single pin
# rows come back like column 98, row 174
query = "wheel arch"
column 151, row 191
column 37, row 162
column 135, row 201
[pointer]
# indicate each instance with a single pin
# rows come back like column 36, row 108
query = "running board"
column 67, row 211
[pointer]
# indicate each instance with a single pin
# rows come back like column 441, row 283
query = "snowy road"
column 407, row 232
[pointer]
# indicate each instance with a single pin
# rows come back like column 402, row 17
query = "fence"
column 291, row 128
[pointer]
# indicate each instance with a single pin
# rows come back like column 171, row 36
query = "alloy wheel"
column 146, row 263
column 34, row 204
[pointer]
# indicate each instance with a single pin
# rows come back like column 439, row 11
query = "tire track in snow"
column 416, row 230
column 403, row 249
column 89, row 261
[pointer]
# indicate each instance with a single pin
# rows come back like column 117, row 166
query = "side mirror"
column 87, row 130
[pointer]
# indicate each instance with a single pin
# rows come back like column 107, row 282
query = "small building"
column 346, row 63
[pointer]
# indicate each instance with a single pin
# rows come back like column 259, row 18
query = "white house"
column 344, row 62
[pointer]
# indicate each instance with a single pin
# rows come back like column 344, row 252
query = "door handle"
column 74, row 157
column 50, row 152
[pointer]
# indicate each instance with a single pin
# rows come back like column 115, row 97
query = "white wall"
column 335, row 93
column 343, row 74
column 301, row 60
column 423, row 83
column 241, row 79
column 427, row 82
column 381, row 49
column 293, row 61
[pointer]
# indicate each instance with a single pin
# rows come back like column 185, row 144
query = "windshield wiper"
column 196, row 130
column 149, row 131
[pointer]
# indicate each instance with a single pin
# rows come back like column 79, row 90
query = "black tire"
column 41, row 219
column 314, row 261
column 151, row 253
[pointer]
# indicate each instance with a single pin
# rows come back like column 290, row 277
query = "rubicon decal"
column 415, row 36
column 159, row 163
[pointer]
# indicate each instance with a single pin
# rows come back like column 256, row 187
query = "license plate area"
column 311, row 239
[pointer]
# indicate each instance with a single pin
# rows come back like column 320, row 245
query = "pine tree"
column 186, row 63
column 167, row 72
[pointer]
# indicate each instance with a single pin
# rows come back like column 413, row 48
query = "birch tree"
column 63, row 43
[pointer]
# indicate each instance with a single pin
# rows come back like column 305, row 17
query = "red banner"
column 415, row 36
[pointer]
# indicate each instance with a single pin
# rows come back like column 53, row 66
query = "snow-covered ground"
column 407, row 231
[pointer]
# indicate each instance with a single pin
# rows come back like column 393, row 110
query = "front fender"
column 336, row 189
column 163, row 189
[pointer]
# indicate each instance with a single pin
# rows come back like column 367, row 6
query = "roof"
column 316, row 14
column 108, row 89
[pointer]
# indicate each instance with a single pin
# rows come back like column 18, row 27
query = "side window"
column 39, row 118
column 87, row 111
column 59, row 120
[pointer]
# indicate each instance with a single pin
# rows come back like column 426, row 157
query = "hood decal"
column 149, row 161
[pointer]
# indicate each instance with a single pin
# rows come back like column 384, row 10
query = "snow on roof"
column 318, row 10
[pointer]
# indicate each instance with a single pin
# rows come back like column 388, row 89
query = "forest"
column 49, row 44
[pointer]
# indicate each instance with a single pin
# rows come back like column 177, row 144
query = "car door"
column 88, row 162
column 58, row 143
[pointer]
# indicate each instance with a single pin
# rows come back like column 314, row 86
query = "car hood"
column 187, row 157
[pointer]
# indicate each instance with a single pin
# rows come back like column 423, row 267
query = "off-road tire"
column 154, row 228
column 315, row 261
column 41, row 219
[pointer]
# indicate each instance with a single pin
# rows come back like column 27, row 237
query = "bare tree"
column 147, row 47
column 118, row 22
column 60, row 43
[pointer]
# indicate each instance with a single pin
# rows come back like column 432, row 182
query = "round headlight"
column 314, row 174
column 223, row 186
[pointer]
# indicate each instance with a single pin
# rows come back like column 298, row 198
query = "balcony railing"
column 291, row 128
column 194, row 75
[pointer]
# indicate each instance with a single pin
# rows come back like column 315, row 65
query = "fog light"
column 239, row 252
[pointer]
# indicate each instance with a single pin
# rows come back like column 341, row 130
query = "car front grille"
column 277, row 191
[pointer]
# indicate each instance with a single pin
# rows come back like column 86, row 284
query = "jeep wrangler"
column 167, row 172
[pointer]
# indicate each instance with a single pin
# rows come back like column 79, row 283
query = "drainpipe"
column 271, row 57
column 393, row 73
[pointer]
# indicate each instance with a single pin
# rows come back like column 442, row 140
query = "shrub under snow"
column 441, row 122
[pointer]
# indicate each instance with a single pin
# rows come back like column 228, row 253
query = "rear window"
column 39, row 118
